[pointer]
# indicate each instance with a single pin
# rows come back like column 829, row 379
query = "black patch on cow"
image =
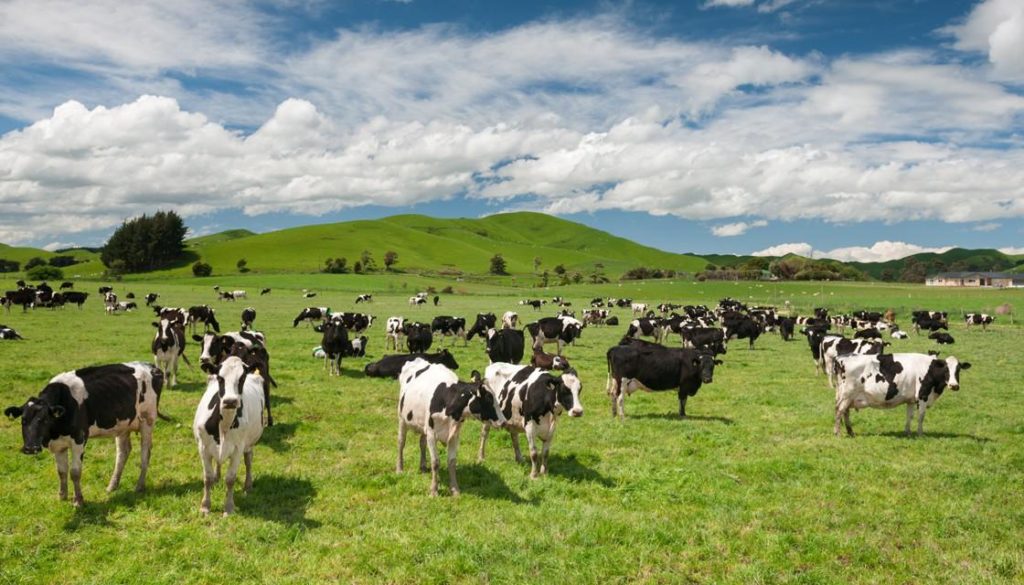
column 408, row 416
column 934, row 381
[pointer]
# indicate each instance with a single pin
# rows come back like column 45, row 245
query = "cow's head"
column 230, row 380
column 568, row 389
column 38, row 417
column 212, row 347
column 448, row 360
column 705, row 363
column 483, row 404
column 955, row 366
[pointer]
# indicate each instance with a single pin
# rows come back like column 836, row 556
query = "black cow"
column 101, row 401
column 869, row 333
column 455, row 327
column 75, row 297
column 105, row 289
column 265, row 291
column 26, row 297
column 484, row 321
column 613, row 320
column 745, row 328
column 248, row 316
column 707, row 338
column 786, row 326
column 151, row 298
column 311, row 314
column 505, row 345
column 335, row 344
column 67, row 284
column 390, row 366
column 929, row 324
column 647, row 365
column 418, row 337
column 942, row 338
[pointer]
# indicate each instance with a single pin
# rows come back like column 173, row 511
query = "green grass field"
column 752, row 488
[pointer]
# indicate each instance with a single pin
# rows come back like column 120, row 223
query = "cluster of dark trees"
column 365, row 264
column 645, row 273
column 145, row 243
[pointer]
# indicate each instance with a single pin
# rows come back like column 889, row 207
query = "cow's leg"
column 266, row 399
column 620, row 401
column 247, row 457
column 229, row 482
column 546, row 448
column 423, row 454
column 453, row 452
column 124, row 447
column 402, row 431
column 910, row 417
column 682, row 403
column 531, row 440
column 515, row 445
column 435, row 462
column 484, row 431
column 145, row 448
column 210, row 475
column 61, row 457
column 922, row 408
column 846, row 420
column 612, row 387
column 77, row 453
column 174, row 370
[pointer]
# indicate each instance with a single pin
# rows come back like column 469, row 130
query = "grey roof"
column 976, row 274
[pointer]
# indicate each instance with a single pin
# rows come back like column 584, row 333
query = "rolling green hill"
column 434, row 244
column 89, row 262
column 956, row 259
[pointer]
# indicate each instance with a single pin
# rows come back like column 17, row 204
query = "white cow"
column 639, row 309
column 394, row 330
column 227, row 425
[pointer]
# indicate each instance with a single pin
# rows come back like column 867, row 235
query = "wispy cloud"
column 878, row 252
column 736, row 229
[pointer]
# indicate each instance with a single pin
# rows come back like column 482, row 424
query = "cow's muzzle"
column 707, row 379
column 576, row 412
column 954, row 387
column 31, row 449
column 229, row 403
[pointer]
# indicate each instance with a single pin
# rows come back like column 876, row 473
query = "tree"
column 62, row 261
column 115, row 270
column 536, row 263
column 545, row 278
column 913, row 271
column 357, row 267
column 44, row 272
column 498, row 265
column 597, row 275
column 9, row 265
column 33, row 262
column 201, row 268
column 560, row 269
column 577, row 277
column 336, row 265
column 242, row 265
column 888, row 275
column 710, row 268
column 146, row 243
column 390, row 259
column 366, row 259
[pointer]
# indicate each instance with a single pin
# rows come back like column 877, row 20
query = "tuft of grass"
column 752, row 488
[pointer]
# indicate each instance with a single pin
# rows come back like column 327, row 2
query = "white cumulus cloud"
column 878, row 252
column 996, row 28
column 736, row 229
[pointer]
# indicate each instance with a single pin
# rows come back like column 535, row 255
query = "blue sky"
column 852, row 129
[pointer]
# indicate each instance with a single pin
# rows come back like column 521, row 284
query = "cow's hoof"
column 79, row 502
column 204, row 510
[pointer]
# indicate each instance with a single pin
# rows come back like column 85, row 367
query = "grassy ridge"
column 751, row 489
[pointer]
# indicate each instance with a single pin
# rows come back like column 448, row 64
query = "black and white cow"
column 509, row 320
column 448, row 326
column 312, row 314
column 335, row 344
column 394, row 330
column 639, row 309
column 8, row 333
column 168, row 346
column 248, row 316
column 647, row 328
column 650, row 366
column 105, row 289
column 535, row 303
column 202, row 314
column 151, row 298
column 833, row 348
column 531, row 401
column 434, row 403
column 364, row 299
column 505, row 345
column 217, row 348
column 417, row 301
column 355, row 322
column 418, row 337
column 484, row 322
column 978, row 319
column 554, row 330
column 705, row 338
column 227, row 426
column 390, row 366
column 886, row 381
column 101, row 401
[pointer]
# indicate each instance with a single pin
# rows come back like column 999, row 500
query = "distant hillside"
column 434, row 244
column 957, row 259
column 89, row 260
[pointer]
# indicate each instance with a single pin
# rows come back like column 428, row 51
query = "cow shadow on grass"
column 930, row 435
column 96, row 511
column 570, row 467
column 478, row 480
column 689, row 417
column 278, row 437
column 278, row 498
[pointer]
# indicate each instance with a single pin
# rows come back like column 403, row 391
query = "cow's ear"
column 155, row 324
column 57, row 411
column 196, row 337
column 475, row 376
column 13, row 411
column 965, row 365
column 209, row 368
column 718, row 362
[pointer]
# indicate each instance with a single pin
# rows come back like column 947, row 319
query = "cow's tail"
column 157, row 381
column 184, row 356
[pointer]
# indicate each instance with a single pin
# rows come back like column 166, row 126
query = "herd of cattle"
column 117, row 400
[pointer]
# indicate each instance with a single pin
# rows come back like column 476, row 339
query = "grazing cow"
column 535, row 303
column 745, row 328
column 886, row 381
column 505, row 345
column 417, row 301
column 238, row 294
column 531, row 400
column 335, row 344
column 434, row 403
column 151, row 298
column 654, row 367
column 67, row 284
column 553, row 330
column 390, row 366
column 418, row 337
column 394, row 329
column 202, row 314
column 647, row 328
column 545, row 361
column 248, row 316
column 265, row 291
column 101, row 401
column 484, row 321
column 364, row 299
column 356, row 322
column 639, row 308
column 929, row 323
column 786, row 326
column 168, row 346
column 447, row 326
column 509, row 320
column 942, row 338
column 226, row 296
column 8, row 333
column 227, row 425
column 978, row 319
column 76, row 297
column 312, row 314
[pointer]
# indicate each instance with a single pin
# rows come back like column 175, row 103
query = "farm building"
column 976, row 279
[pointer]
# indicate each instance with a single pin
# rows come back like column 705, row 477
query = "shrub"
column 201, row 269
column 32, row 263
column 44, row 272
column 62, row 261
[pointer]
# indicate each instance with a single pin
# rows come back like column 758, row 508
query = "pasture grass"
column 751, row 488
